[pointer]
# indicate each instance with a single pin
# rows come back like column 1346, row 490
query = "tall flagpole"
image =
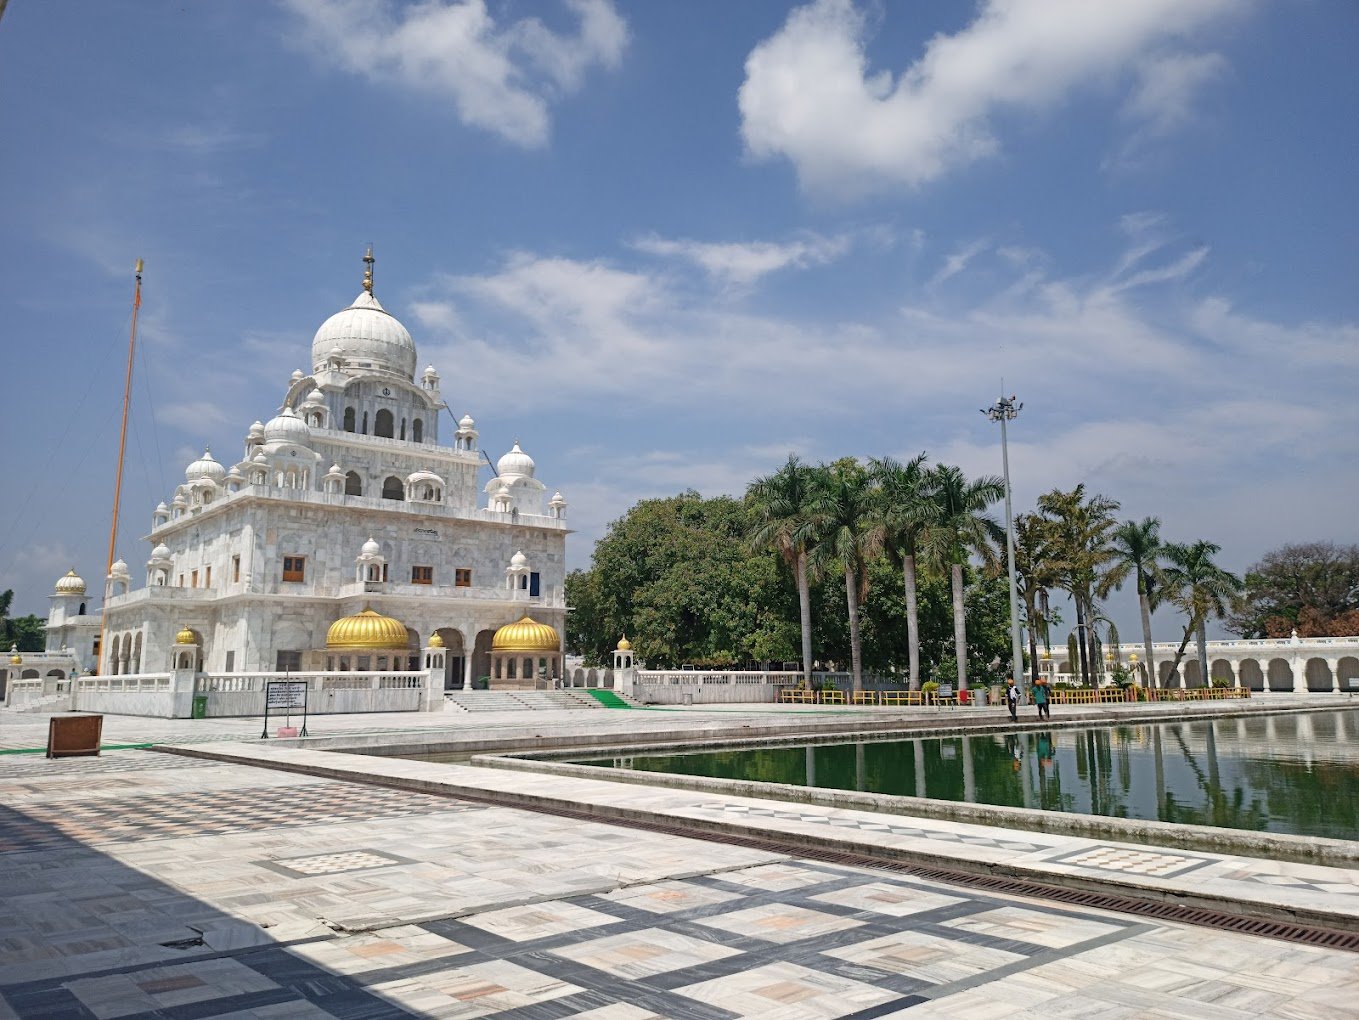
column 122, row 447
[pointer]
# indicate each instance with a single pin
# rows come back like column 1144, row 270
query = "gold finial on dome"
column 186, row 637
column 368, row 261
column 435, row 641
column 625, row 645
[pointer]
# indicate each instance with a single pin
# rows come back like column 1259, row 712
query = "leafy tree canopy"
column 1312, row 586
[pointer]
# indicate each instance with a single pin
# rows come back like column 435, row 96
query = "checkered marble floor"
column 165, row 816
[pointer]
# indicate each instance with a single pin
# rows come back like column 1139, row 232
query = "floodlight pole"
column 1003, row 410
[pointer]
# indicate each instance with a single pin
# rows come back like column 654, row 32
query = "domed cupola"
column 71, row 584
column 205, row 467
column 516, row 462
column 287, row 428
column 366, row 335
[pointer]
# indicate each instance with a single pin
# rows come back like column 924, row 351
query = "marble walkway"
column 143, row 884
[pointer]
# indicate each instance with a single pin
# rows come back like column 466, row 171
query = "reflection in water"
column 1295, row 774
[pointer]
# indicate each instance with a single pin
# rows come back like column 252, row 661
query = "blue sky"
column 664, row 244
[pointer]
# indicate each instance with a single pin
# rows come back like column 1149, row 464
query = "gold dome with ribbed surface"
column 71, row 584
column 367, row 629
column 435, row 641
column 625, row 645
column 186, row 637
column 526, row 635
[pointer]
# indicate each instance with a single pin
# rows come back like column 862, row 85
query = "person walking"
column 1042, row 697
column 1012, row 699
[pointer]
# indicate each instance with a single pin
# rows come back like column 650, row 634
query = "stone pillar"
column 1298, row 664
column 1334, row 666
column 1236, row 671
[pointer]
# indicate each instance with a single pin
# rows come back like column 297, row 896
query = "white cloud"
column 741, row 264
column 810, row 95
column 957, row 262
column 500, row 78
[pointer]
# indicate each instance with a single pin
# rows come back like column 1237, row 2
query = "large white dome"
column 516, row 462
column 367, row 336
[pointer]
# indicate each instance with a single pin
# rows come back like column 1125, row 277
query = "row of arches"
column 384, row 425
column 125, row 653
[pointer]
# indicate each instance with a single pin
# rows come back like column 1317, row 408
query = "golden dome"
column 1047, row 654
column 526, row 635
column 186, row 637
column 366, row 630
column 15, row 659
column 435, row 641
column 71, row 584
column 625, row 645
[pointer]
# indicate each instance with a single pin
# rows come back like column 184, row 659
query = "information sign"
column 285, row 695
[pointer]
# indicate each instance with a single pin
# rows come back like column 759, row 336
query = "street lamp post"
column 1003, row 410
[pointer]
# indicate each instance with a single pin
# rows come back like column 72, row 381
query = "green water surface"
column 1295, row 774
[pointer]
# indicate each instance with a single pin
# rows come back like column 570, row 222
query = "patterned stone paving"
column 877, row 824
column 44, row 826
column 1141, row 862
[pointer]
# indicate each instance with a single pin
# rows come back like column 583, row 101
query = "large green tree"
column 678, row 577
column 1312, row 587
column 904, row 509
column 1087, row 569
column 1202, row 590
column 841, row 527
column 27, row 633
column 1137, row 546
column 1036, row 571
column 782, row 504
column 959, row 528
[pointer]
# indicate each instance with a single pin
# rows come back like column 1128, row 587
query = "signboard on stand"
column 284, row 696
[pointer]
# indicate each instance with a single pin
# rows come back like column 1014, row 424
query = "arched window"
column 349, row 419
column 418, row 431
column 383, row 424
column 393, row 489
column 81, row 611
column 403, row 428
column 353, row 484
column 365, row 423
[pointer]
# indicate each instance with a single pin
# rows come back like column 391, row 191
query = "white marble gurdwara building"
column 348, row 536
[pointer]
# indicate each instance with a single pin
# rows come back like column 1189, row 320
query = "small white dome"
column 204, row 467
column 516, row 462
column 287, row 428
column 234, row 474
column 315, row 397
column 519, row 560
column 365, row 334
column 256, row 431
column 259, row 458
column 160, row 552
column 162, row 508
column 297, row 374
column 430, row 373
column 557, row 499
column 371, row 548
column 466, row 422
column 334, row 472
column 179, row 500
column 119, row 568
column 70, row 584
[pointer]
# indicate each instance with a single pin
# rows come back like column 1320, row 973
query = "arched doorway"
column 384, row 424
column 1192, row 676
column 1169, row 676
column 1347, row 669
column 1280, row 675
column 481, row 655
column 1319, row 675
column 1252, row 675
column 1220, row 669
column 455, row 658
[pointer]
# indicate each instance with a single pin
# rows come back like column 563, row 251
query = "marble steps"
column 512, row 701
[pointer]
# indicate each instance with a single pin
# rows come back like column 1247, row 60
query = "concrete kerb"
column 1337, row 853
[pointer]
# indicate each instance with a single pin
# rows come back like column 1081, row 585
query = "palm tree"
column 958, row 528
column 1086, row 566
column 1201, row 589
column 904, row 512
column 841, row 530
column 1036, row 573
column 783, row 506
column 1138, row 547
